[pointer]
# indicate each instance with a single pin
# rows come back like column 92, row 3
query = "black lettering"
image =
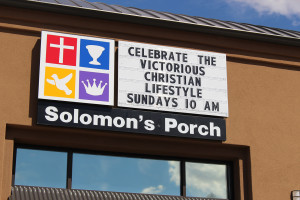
column 202, row 72
column 147, row 88
column 188, row 69
column 197, row 81
column 144, row 99
column 165, row 89
column 129, row 51
column 192, row 92
column 150, row 53
column 154, row 76
column 191, row 81
column 200, row 59
column 195, row 70
column 158, row 88
column 151, row 100
column 153, row 65
column 167, row 100
column 178, row 90
column 178, row 56
column 199, row 93
column 171, row 90
column 213, row 61
column 179, row 78
column 137, row 98
column 161, row 77
column 176, row 67
column 156, row 54
column 174, row 102
column 215, row 106
column 207, row 106
column 185, row 90
column 137, row 52
column 171, row 56
column 143, row 63
column 169, row 67
column 129, row 98
column 159, row 101
column 143, row 53
column 184, row 57
column 162, row 65
column 164, row 55
column 172, row 78
column 146, row 76
column 207, row 60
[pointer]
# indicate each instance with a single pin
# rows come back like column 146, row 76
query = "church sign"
column 172, row 79
column 76, row 87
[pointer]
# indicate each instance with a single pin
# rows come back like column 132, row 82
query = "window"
column 94, row 171
column 123, row 174
column 206, row 180
column 41, row 168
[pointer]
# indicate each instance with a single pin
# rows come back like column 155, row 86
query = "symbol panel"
column 76, row 68
column 93, row 86
column 61, row 50
column 60, row 82
column 94, row 54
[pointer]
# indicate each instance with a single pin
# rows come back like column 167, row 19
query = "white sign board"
column 172, row 79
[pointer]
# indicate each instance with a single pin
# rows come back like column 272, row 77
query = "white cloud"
column 206, row 179
column 203, row 180
column 153, row 190
column 288, row 8
column 174, row 172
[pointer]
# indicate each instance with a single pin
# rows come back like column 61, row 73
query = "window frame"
column 182, row 162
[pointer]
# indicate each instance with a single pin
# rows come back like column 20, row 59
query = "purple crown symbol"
column 94, row 90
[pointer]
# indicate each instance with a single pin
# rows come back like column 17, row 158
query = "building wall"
column 263, row 92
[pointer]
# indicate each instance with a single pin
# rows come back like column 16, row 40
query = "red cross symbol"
column 61, row 50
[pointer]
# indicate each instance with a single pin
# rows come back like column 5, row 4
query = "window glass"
column 206, row 180
column 41, row 168
column 121, row 174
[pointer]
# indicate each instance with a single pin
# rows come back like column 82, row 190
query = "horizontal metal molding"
column 44, row 193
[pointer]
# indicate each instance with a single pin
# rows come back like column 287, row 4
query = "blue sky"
column 284, row 14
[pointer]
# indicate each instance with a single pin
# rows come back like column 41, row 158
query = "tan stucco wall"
column 264, row 105
column 15, row 75
column 263, row 91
